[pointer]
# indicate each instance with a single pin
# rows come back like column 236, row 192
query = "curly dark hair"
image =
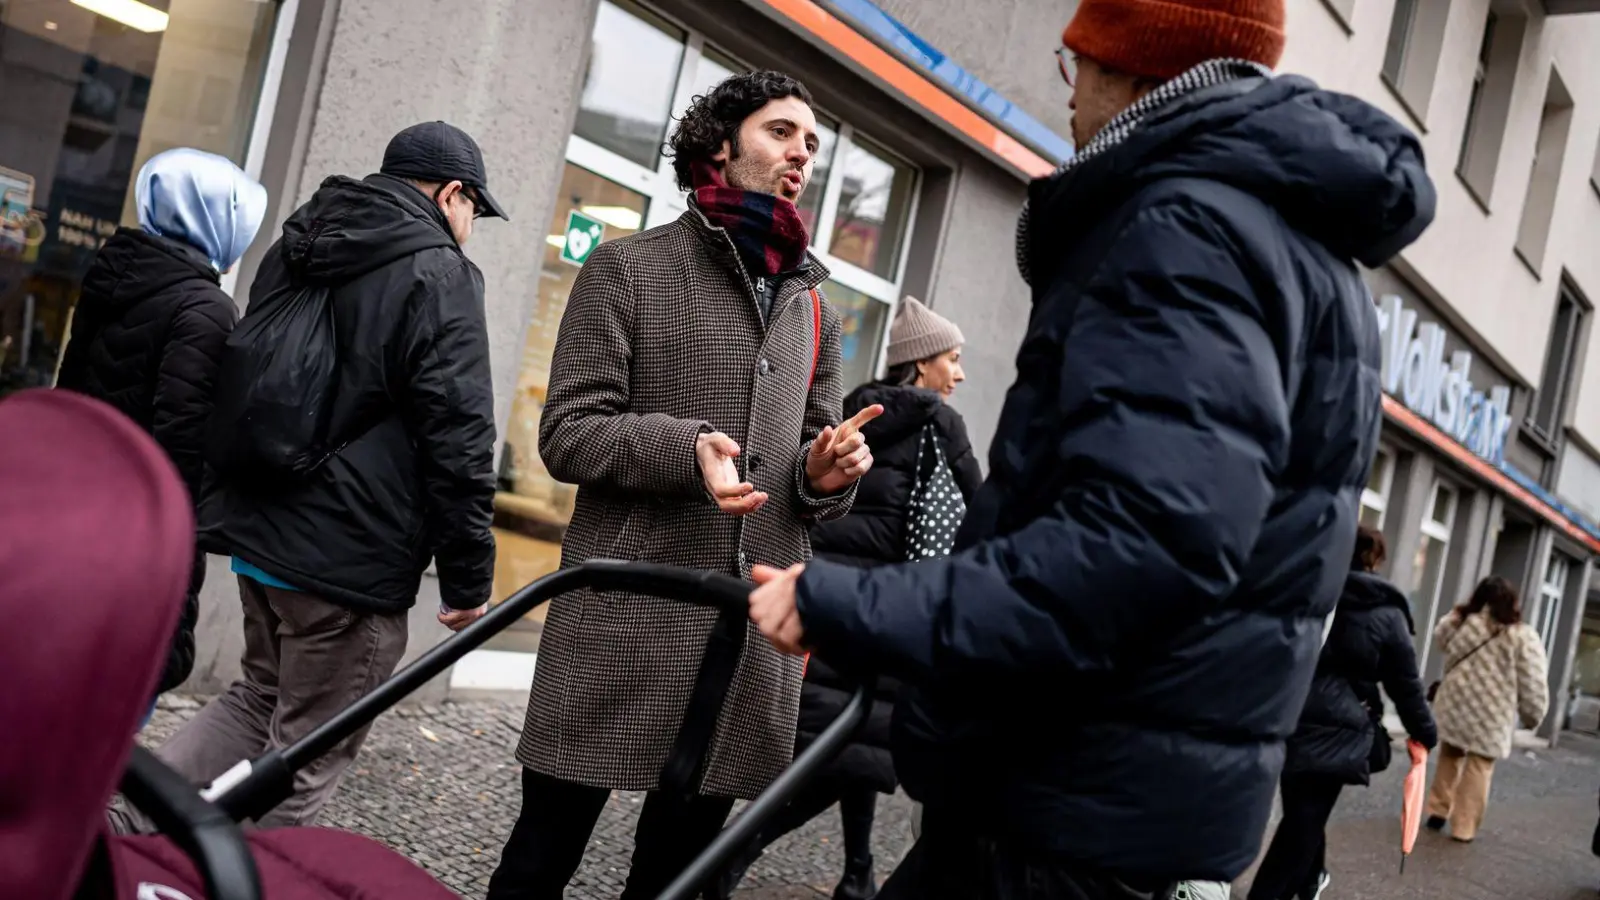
column 715, row 117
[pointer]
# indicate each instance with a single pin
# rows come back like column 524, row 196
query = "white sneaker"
column 1323, row 880
column 1201, row 890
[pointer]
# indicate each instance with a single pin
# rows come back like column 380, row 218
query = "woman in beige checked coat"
column 1494, row 677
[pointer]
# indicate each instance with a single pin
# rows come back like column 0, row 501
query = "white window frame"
column 1441, row 532
column 664, row 202
column 1378, row 500
column 1552, row 596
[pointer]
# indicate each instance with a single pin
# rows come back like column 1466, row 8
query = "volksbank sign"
column 1415, row 372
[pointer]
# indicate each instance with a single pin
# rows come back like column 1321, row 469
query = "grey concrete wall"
column 976, row 284
column 507, row 71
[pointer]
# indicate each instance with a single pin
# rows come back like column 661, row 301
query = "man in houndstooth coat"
column 695, row 398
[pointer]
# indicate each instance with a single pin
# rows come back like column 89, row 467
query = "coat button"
column 755, row 461
column 763, row 367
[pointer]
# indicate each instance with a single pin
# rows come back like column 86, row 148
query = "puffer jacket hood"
column 350, row 228
column 133, row 266
column 905, row 410
column 1368, row 591
column 1336, row 168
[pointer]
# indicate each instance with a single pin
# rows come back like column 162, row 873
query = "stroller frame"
column 205, row 826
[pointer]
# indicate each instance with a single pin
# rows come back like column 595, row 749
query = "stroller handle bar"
column 253, row 788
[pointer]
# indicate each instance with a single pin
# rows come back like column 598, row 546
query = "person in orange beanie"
column 1101, row 677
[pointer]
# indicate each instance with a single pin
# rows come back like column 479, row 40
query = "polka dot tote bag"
column 936, row 504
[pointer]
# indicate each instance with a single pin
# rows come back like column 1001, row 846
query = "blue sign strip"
column 1535, row 488
column 868, row 19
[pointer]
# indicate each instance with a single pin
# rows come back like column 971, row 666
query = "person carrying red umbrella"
column 1341, row 739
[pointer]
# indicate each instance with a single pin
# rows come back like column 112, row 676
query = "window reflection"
column 627, row 91
column 874, row 198
column 862, row 334
column 532, row 509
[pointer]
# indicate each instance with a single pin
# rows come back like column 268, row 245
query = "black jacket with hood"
column 1106, row 669
column 413, row 399
column 874, row 534
column 1369, row 645
column 147, row 337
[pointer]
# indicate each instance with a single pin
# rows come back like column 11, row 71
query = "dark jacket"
column 1108, row 666
column 1369, row 645
column 872, row 535
column 147, row 336
column 414, row 400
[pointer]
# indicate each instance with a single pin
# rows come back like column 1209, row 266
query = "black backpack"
column 275, row 386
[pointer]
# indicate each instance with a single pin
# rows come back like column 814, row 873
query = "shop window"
column 1411, row 59
column 1552, row 595
column 617, row 181
column 1494, row 78
column 1549, row 152
column 1375, row 497
column 874, row 207
column 1560, row 361
column 88, row 93
column 1433, row 550
column 634, row 60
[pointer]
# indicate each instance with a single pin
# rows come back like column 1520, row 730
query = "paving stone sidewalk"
column 439, row 784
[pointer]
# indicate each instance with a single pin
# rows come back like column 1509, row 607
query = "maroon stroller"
column 95, row 543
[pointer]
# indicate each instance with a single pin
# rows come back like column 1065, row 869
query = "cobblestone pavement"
column 439, row 784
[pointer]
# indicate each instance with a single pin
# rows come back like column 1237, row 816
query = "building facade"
column 935, row 115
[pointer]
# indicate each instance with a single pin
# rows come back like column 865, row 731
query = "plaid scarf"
column 765, row 229
column 1207, row 74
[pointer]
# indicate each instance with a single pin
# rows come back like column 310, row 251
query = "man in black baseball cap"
column 331, row 560
column 439, row 153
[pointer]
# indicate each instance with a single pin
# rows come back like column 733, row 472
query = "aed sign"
column 1416, row 373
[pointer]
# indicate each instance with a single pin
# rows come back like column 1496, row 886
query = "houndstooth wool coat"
column 662, row 340
column 1486, row 694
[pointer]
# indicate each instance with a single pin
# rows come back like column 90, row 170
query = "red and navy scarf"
column 766, row 229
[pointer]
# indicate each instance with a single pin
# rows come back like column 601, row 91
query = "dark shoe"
column 857, row 883
column 725, row 884
column 1436, row 823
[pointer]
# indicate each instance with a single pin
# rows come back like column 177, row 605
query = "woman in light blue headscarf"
column 152, row 319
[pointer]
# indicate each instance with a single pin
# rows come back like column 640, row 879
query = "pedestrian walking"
column 1494, row 678
column 149, row 327
column 695, row 400
column 330, row 556
column 1173, row 486
column 924, row 473
column 1341, row 739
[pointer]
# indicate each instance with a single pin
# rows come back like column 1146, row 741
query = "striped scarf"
column 1207, row 74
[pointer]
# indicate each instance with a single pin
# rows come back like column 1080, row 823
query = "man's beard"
column 747, row 174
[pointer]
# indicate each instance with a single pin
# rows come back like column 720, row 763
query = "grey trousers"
column 304, row 660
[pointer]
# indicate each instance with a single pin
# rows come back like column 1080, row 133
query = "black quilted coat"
column 1106, row 669
column 146, row 337
column 871, row 535
column 1368, row 646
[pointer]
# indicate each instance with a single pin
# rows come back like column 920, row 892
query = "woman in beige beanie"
column 916, row 430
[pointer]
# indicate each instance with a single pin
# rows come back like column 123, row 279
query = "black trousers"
column 547, row 843
column 949, row 863
column 1298, row 851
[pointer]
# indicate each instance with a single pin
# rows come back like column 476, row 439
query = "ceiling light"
column 615, row 216
column 138, row 16
column 557, row 241
column 50, row 26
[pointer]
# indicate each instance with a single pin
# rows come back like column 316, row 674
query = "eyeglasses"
column 1068, row 61
column 474, row 198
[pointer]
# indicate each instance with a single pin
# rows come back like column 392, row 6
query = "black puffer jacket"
column 146, row 338
column 1108, row 666
column 871, row 535
column 414, row 400
column 1369, row 645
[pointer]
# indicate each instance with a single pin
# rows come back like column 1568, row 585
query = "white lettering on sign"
column 1415, row 372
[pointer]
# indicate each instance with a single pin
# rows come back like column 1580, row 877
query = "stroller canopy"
column 96, row 539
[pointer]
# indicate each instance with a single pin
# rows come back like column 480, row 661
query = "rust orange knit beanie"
column 1165, row 38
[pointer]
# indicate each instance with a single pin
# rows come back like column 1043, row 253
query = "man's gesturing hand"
column 716, row 452
column 772, row 608
column 840, row 455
